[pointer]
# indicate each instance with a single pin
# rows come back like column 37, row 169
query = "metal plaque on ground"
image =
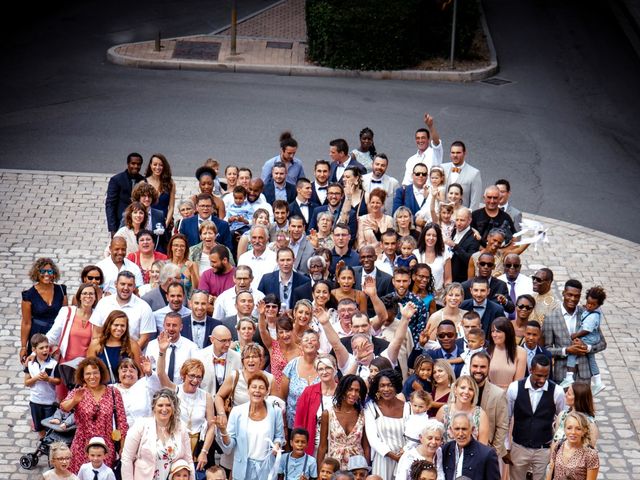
column 283, row 45
column 193, row 50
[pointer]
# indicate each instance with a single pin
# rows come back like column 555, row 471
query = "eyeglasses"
column 192, row 376
column 538, row 279
column 446, row 335
column 88, row 294
column 91, row 277
column 222, row 340
column 271, row 305
column 486, row 264
column 47, row 271
column 324, row 369
column 524, row 307
column 420, row 174
column 512, row 265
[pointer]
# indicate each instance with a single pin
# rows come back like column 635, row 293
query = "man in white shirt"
column 378, row 178
column 256, row 198
column 141, row 322
column 116, row 263
column 261, row 259
column 175, row 299
column 225, row 305
column 460, row 172
column 386, row 259
column 180, row 349
column 429, row 149
column 518, row 283
column 218, row 360
column 320, row 184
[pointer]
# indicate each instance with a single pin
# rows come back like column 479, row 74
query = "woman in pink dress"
column 574, row 458
column 508, row 360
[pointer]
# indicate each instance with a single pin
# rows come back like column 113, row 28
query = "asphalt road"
column 563, row 131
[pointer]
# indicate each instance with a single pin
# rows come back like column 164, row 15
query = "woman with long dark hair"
column 508, row 360
column 158, row 175
column 431, row 250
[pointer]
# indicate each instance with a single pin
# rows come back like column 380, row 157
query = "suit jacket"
column 471, row 182
column 437, row 354
column 139, row 454
column 270, row 282
column 231, row 322
column 210, row 324
column 269, row 191
column 491, row 312
column 352, row 163
column 539, row 350
column 516, row 216
column 305, row 252
column 379, row 345
column 388, row 184
column 404, row 197
column 557, row 337
column 314, row 194
column 118, row 198
column 462, row 252
column 209, row 379
column 494, row 403
column 383, row 285
column 479, row 462
column 496, row 287
column 294, row 209
column 189, row 227
column 155, row 299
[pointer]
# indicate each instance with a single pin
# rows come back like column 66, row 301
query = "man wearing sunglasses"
column 546, row 301
column 498, row 291
column 518, row 283
column 413, row 195
column 446, row 334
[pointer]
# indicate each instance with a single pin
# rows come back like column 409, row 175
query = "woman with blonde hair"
column 442, row 379
column 574, row 457
column 465, row 400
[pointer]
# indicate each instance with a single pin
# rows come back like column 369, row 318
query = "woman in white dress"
column 431, row 250
column 137, row 387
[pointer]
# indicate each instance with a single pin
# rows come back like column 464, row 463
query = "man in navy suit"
column 384, row 285
column 318, row 270
column 302, row 205
column 412, row 196
column 480, row 303
column 119, row 191
column 335, row 196
column 465, row 456
column 278, row 188
column 531, row 340
column 449, row 347
column 283, row 281
column 339, row 153
column 190, row 226
column 463, row 245
column 320, row 184
column 498, row 290
column 198, row 326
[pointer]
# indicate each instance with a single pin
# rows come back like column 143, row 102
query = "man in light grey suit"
column 218, row 359
column 302, row 248
column 378, row 178
column 458, row 171
column 505, row 196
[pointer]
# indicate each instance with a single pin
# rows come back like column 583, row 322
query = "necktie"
column 95, row 474
column 512, row 295
column 448, row 356
column 455, row 170
column 172, row 362
column 376, row 181
column 530, row 355
column 219, row 361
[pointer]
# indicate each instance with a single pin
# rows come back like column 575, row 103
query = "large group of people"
column 343, row 324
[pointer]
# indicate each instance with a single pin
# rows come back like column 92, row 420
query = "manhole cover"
column 283, row 45
column 496, row 81
column 196, row 50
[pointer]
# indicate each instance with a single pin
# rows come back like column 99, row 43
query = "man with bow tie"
column 198, row 326
column 480, row 303
column 460, row 172
column 378, row 178
column 218, row 360
column 320, row 184
column 303, row 206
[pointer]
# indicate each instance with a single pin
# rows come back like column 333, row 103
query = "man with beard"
column 546, row 301
column 284, row 280
column 299, row 244
column 117, row 262
column 175, row 298
column 368, row 269
column 493, row 401
column 317, row 270
column 335, row 197
column 220, row 276
column 256, row 198
column 119, row 191
column 498, row 291
column 198, row 326
column 320, row 184
column 378, row 178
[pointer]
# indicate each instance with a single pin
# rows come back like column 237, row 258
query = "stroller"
column 62, row 431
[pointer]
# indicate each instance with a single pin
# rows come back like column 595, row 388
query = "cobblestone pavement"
column 62, row 216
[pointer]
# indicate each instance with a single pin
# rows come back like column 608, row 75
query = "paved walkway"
column 62, row 216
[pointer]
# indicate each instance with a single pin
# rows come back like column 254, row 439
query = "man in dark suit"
column 531, row 343
column 480, row 303
column 190, row 226
column 278, row 188
column 463, row 245
column 318, row 269
column 368, row 269
column 479, row 462
column 412, row 196
column 449, row 347
column 320, row 185
column 198, row 326
column 360, row 323
column 119, row 191
column 498, row 290
column 244, row 309
column 339, row 153
column 302, row 205
column 283, row 281
column 335, row 197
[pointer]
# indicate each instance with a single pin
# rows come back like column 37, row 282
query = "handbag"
column 116, row 436
column 55, row 351
column 228, row 402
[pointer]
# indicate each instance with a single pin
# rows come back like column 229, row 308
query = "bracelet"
column 204, row 450
column 23, row 347
column 160, row 354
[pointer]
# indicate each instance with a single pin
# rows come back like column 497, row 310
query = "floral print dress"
column 166, row 456
column 342, row 446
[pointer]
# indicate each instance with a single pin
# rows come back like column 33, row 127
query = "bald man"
column 490, row 216
column 117, row 262
column 218, row 360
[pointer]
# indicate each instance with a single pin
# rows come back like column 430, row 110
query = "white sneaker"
column 566, row 383
column 596, row 389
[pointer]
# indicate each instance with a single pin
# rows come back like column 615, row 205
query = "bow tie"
column 323, row 188
column 304, row 205
column 219, row 361
column 376, row 181
column 202, row 323
column 478, row 307
column 455, row 170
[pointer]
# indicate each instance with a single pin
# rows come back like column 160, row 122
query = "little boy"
column 216, row 473
column 40, row 376
column 96, row 469
column 359, row 467
column 239, row 212
column 475, row 343
column 297, row 465
column 589, row 333
column 328, row 467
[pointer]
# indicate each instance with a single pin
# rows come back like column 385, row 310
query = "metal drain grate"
column 196, row 50
column 496, row 81
column 282, row 45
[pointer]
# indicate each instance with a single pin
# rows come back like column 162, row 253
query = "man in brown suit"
column 493, row 401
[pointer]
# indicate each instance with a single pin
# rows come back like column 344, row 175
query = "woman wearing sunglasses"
column 524, row 307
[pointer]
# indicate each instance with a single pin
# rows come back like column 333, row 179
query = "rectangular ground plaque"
column 283, row 45
column 193, row 50
column 496, row 81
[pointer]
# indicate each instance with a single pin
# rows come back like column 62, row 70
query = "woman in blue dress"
column 158, row 175
column 41, row 303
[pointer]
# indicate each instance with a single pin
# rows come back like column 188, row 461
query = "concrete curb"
column 311, row 71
